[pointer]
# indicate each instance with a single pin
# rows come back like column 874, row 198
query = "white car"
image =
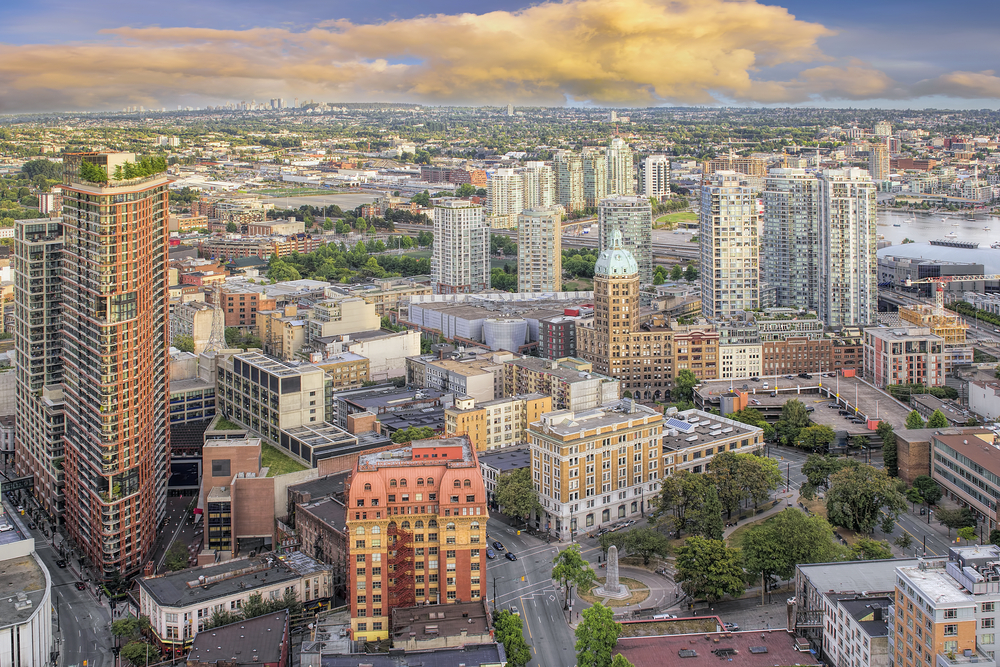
column 5, row 527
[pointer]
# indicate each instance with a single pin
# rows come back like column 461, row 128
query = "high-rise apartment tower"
column 633, row 217
column 595, row 176
column 729, row 247
column 789, row 245
column 621, row 168
column 461, row 258
column 569, row 180
column 539, row 250
column 654, row 176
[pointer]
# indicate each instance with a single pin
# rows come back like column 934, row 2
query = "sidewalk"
column 785, row 500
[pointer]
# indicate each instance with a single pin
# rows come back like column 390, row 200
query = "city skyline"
column 746, row 53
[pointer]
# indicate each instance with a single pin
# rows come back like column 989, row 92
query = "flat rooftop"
column 403, row 456
column 329, row 510
column 740, row 649
column 274, row 366
column 936, row 585
column 244, row 642
column 387, row 397
column 553, row 368
column 863, row 611
column 446, row 620
column 695, row 427
column 512, row 458
column 569, row 423
column 468, row 656
column 872, row 575
column 20, row 575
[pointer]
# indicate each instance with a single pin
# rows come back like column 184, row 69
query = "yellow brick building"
column 494, row 424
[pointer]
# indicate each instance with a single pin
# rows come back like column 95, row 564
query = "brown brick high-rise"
column 114, row 356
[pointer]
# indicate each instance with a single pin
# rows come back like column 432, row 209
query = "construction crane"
column 940, row 282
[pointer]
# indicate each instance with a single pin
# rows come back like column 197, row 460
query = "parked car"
column 731, row 627
column 490, row 553
column 5, row 527
column 755, row 379
column 510, row 556
column 833, row 405
column 844, row 413
column 774, row 394
column 789, row 377
column 805, row 375
column 754, row 401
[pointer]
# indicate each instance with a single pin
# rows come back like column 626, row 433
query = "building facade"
column 594, row 466
column 595, row 176
column 621, row 168
column 502, row 422
column 113, row 349
column 539, row 250
column 790, row 242
column 730, row 262
column 654, row 177
column 847, row 248
column 633, row 217
column 416, row 521
column 461, row 259
column 903, row 356
column 504, row 197
column 568, row 168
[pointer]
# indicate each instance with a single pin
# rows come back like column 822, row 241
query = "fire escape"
column 401, row 593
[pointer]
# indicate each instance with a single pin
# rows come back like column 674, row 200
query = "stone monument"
column 612, row 587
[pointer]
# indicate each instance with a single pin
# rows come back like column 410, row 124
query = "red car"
column 80, row 586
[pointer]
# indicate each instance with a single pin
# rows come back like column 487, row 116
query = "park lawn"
column 277, row 462
column 419, row 254
column 578, row 285
column 735, row 538
column 294, row 192
column 671, row 219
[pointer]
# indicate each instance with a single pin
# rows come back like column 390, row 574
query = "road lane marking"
column 528, row 625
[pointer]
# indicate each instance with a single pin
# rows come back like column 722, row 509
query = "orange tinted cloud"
column 609, row 52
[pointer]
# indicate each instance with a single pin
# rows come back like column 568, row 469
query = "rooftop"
column 403, row 456
column 555, row 369
column 971, row 445
column 936, row 585
column 330, row 511
column 695, row 427
column 445, row 620
column 740, row 649
column 505, row 460
column 567, row 423
column 872, row 575
column 258, row 640
column 863, row 610
column 23, row 582
column 323, row 487
column 467, row 656
column 272, row 365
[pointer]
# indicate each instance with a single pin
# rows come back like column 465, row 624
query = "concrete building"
column 790, row 240
column 113, row 390
column 945, row 611
column 476, row 379
column 282, row 332
column 39, row 399
column 903, row 356
column 632, row 216
column 178, row 611
column 430, row 627
column 571, row 383
column 740, row 351
column 878, row 161
column 951, row 327
column 539, row 185
column 595, row 176
column 692, row 438
column 847, row 248
column 730, row 262
column 193, row 319
column 568, row 168
column 860, row 634
column 640, row 355
column 227, row 644
column 504, row 198
column 984, row 399
column 654, row 177
column 539, row 250
column 345, row 370
column 585, row 476
column 386, row 351
column 495, row 424
column 391, row 294
column 26, row 624
column 502, row 462
column 431, row 552
column 621, row 168
column 341, row 316
column 557, row 336
column 967, row 468
column 461, row 259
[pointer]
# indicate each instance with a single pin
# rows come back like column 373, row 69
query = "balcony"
column 965, row 657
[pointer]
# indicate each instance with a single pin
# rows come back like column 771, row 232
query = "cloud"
column 608, row 52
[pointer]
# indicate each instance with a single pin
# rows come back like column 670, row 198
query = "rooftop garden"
column 223, row 424
column 147, row 166
column 277, row 462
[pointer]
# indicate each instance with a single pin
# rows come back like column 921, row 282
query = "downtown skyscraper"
column 621, row 168
column 632, row 216
column 595, row 176
column 654, row 176
column 790, row 238
column 569, row 180
column 539, row 250
column 98, row 322
column 730, row 247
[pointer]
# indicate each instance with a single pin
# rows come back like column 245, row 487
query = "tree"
column 183, row 343
column 904, row 541
column 140, row 652
column 913, row 495
column 818, row 469
column 816, row 437
column 222, row 617
column 691, row 273
column 794, row 418
column 889, row 456
column 465, row 190
column 956, row 518
column 281, row 271
column 45, row 168
column 411, row 433
column 753, row 417
column 516, row 494
column 620, row 661
column 967, row 533
column 232, row 227
column 684, row 384
column 570, row 568
column 928, row 489
column 995, row 536
column 773, row 549
column 862, row 496
column 422, row 199
column 681, row 495
column 126, row 628
column 677, row 272
column 709, row 569
column 510, row 632
column 913, row 420
column 648, row 542
column 596, row 637
column 868, row 549
column 177, row 556
column 937, row 420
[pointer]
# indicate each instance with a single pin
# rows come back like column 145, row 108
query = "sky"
column 63, row 55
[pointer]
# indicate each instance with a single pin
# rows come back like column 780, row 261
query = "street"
column 537, row 597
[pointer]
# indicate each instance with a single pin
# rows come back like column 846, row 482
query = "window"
column 362, row 599
column 987, row 638
column 989, row 606
column 987, row 622
column 368, row 487
column 430, row 482
column 221, row 468
column 470, row 499
column 420, row 481
column 951, row 631
column 418, row 524
column 474, row 525
column 360, row 558
column 450, row 553
column 360, row 530
column 951, row 613
column 402, row 482
column 362, row 627
column 450, row 526
column 467, row 484
column 392, row 483
column 359, row 544
column 361, row 502
column 454, row 499
column 376, row 530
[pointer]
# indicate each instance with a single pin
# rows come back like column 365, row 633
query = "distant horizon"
column 615, row 54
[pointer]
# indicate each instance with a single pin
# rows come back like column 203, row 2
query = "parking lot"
column 817, row 391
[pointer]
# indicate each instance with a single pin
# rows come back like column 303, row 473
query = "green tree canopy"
column 815, row 437
column 571, row 569
column 914, row 420
column 955, row 518
column 818, row 470
column 646, row 542
column 177, row 556
column 516, row 494
column 937, row 420
column 681, row 496
column 794, row 418
column 753, row 417
column 889, row 456
column 709, row 569
column 140, row 652
column 928, row 489
column 183, row 342
column 411, row 433
column 510, row 632
column 45, row 168
column 684, row 385
column 774, row 548
column 868, row 549
column 596, row 637
column 862, row 497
